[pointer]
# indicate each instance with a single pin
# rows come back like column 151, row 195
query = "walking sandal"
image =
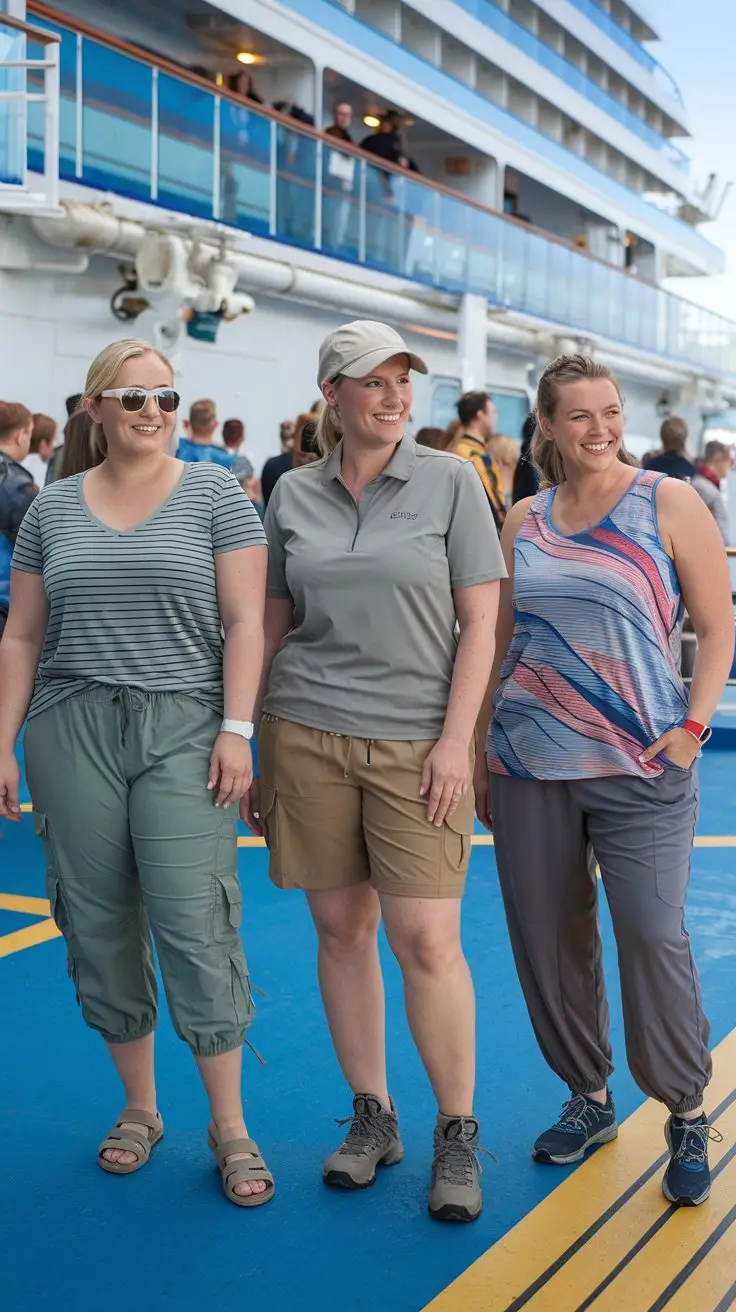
column 244, row 1171
column 131, row 1141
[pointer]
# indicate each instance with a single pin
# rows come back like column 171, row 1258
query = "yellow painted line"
column 26, row 806
column 709, row 1284
column 28, row 906
column 671, row 1249
column 28, row 938
column 543, row 1237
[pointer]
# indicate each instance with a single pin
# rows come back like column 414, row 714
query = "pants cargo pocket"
column 55, row 894
column 243, row 1003
column 227, row 908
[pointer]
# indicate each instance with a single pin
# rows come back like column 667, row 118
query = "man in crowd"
column 17, row 488
column 43, row 441
column 672, row 459
column 716, row 465
column 197, row 446
column 477, row 415
column 340, row 126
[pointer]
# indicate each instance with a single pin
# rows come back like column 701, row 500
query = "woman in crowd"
column 124, row 579
column 79, row 452
column 504, row 451
column 593, row 741
column 376, row 550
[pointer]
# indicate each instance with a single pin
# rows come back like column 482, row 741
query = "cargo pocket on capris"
column 243, row 1003
column 55, row 894
column 227, row 908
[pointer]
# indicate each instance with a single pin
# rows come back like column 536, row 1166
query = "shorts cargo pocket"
column 457, row 835
column 268, row 816
column 227, row 908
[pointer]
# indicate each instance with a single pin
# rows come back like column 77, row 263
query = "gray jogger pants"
column 642, row 833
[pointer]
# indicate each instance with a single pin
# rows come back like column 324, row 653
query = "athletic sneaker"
column 687, row 1178
column 455, row 1194
column 582, row 1124
column 372, row 1140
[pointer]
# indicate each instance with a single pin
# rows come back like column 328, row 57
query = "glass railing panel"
column 420, row 236
column 560, row 272
column 186, row 128
column 245, row 168
column 537, row 276
column 514, row 246
column 12, row 112
column 67, row 104
column 296, row 171
column 484, row 257
column 452, row 242
column 116, row 121
column 340, row 203
column 384, row 220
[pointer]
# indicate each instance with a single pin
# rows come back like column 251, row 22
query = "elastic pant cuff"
column 216, row 1047
column 588, row 1087
column 130, row 1036
column 690, row 1104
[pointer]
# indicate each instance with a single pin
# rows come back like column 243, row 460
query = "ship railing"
column 488, row 13
column 140, row 126
column 18, row 73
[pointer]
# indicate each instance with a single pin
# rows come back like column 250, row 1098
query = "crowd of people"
column 413, row 647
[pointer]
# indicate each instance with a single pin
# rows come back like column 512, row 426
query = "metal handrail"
column 49, row 98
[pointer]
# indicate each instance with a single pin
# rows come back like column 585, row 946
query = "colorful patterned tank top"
column 592, row 675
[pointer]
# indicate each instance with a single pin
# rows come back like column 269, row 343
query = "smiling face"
column 145, row 431
column 587, row 426
column 374, row 410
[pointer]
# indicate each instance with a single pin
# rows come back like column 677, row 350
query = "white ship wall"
column 261, row 369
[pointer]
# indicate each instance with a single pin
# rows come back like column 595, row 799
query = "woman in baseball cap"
column 377, row 550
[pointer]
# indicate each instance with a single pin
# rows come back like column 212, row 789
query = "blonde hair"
column 329, row 428
column 103, row 371
column 504, row 450
column 564, row 369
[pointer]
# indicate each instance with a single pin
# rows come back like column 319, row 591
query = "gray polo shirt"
column 372, row 648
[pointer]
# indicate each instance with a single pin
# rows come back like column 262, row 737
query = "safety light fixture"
column 247, row 57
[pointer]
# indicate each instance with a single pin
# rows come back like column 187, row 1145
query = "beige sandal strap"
column 127, row 1142
column 139, row 1117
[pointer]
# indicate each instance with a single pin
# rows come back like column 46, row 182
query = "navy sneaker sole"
column 681, row 1200
column 559, row 1159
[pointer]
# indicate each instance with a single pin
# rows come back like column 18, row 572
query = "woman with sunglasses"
column 124, row 579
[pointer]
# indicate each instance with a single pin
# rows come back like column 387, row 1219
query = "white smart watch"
column 243, row 728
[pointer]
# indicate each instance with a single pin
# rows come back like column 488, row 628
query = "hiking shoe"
column 582, row 1124
column 687, row 1178
column 372, row 1140
column 455, row 1193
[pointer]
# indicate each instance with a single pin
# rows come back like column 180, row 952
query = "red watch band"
column 699, row 731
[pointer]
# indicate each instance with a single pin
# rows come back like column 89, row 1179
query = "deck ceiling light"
column 371, row 121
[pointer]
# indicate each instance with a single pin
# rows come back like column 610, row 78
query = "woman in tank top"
column 594, row 741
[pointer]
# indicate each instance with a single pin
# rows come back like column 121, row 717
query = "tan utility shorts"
column 341, row 811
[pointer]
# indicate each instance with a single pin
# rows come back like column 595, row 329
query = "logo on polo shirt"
column 402, row 514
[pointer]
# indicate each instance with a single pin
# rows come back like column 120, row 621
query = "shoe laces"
column 368, row 1129
column 456, row 1160
column 692, row 1149
column 578, row 1114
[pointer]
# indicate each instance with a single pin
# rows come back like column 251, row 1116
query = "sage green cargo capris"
column 134, row 845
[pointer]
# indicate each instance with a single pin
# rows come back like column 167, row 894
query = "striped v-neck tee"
column 135, row 608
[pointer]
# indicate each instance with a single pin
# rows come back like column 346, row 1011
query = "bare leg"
column 221, row 1078
column 440, row 1003
column 351, row 983
column 134, row 1064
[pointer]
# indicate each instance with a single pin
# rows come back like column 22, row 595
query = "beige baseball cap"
column 357, row 348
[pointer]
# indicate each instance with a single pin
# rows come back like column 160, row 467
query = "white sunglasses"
column 133, row 399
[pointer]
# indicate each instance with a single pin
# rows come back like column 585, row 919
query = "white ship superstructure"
column 144, row 189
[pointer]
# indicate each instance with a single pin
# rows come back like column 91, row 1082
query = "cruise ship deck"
column 597, row 1237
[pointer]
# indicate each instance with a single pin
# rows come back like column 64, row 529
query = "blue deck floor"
column 73, row 1238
